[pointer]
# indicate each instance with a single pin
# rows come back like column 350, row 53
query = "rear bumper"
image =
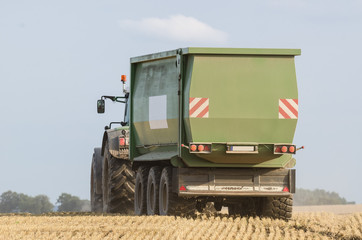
column 258, row 182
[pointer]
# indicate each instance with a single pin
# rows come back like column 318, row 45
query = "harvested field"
column 337, row 209
column 88, row 226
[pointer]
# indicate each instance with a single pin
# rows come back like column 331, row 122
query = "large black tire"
column 118, row 184
column 278, row 207
column 96, row 199
column 140, row 199
column 153, row 184
column 169, row 202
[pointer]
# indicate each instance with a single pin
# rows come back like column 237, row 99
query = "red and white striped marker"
column 288, row 108
column 199, row 107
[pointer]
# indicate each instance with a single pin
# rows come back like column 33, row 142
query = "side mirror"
column 101, row 106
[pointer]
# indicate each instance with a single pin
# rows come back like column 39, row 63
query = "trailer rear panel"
column 222, row 97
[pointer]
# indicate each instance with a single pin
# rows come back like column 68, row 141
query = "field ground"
column 90, row 226
column 337, row 209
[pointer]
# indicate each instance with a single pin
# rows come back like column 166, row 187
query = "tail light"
column 284, row 148
column 200, row 148
column 292, row 149
column 122, row 141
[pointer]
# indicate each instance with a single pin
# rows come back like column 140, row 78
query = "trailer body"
column 220, row 97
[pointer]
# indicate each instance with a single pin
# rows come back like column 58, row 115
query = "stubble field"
column 90, row 226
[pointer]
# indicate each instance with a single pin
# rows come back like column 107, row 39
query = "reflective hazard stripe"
column 288, row 108
column 199, row 107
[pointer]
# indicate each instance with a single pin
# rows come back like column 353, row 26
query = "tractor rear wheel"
column 117, row 184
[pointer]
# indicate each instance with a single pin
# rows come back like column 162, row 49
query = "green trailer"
column 202, row 125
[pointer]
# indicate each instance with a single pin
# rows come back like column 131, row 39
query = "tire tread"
column 120, row 183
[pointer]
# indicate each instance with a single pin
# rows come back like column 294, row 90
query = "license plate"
column 242, row 148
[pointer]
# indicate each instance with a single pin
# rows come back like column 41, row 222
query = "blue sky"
column 58, row 57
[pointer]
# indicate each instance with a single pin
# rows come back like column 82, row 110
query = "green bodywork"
column 243, row 88
column 112, row 137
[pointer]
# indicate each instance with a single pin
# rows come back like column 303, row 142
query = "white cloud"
column 177, row 27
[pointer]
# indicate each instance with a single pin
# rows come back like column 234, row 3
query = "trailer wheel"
column 153, row 184
column 117, row 184
column 169, row 202
column 278, row 207
column 96, row 199
column 140, row 199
